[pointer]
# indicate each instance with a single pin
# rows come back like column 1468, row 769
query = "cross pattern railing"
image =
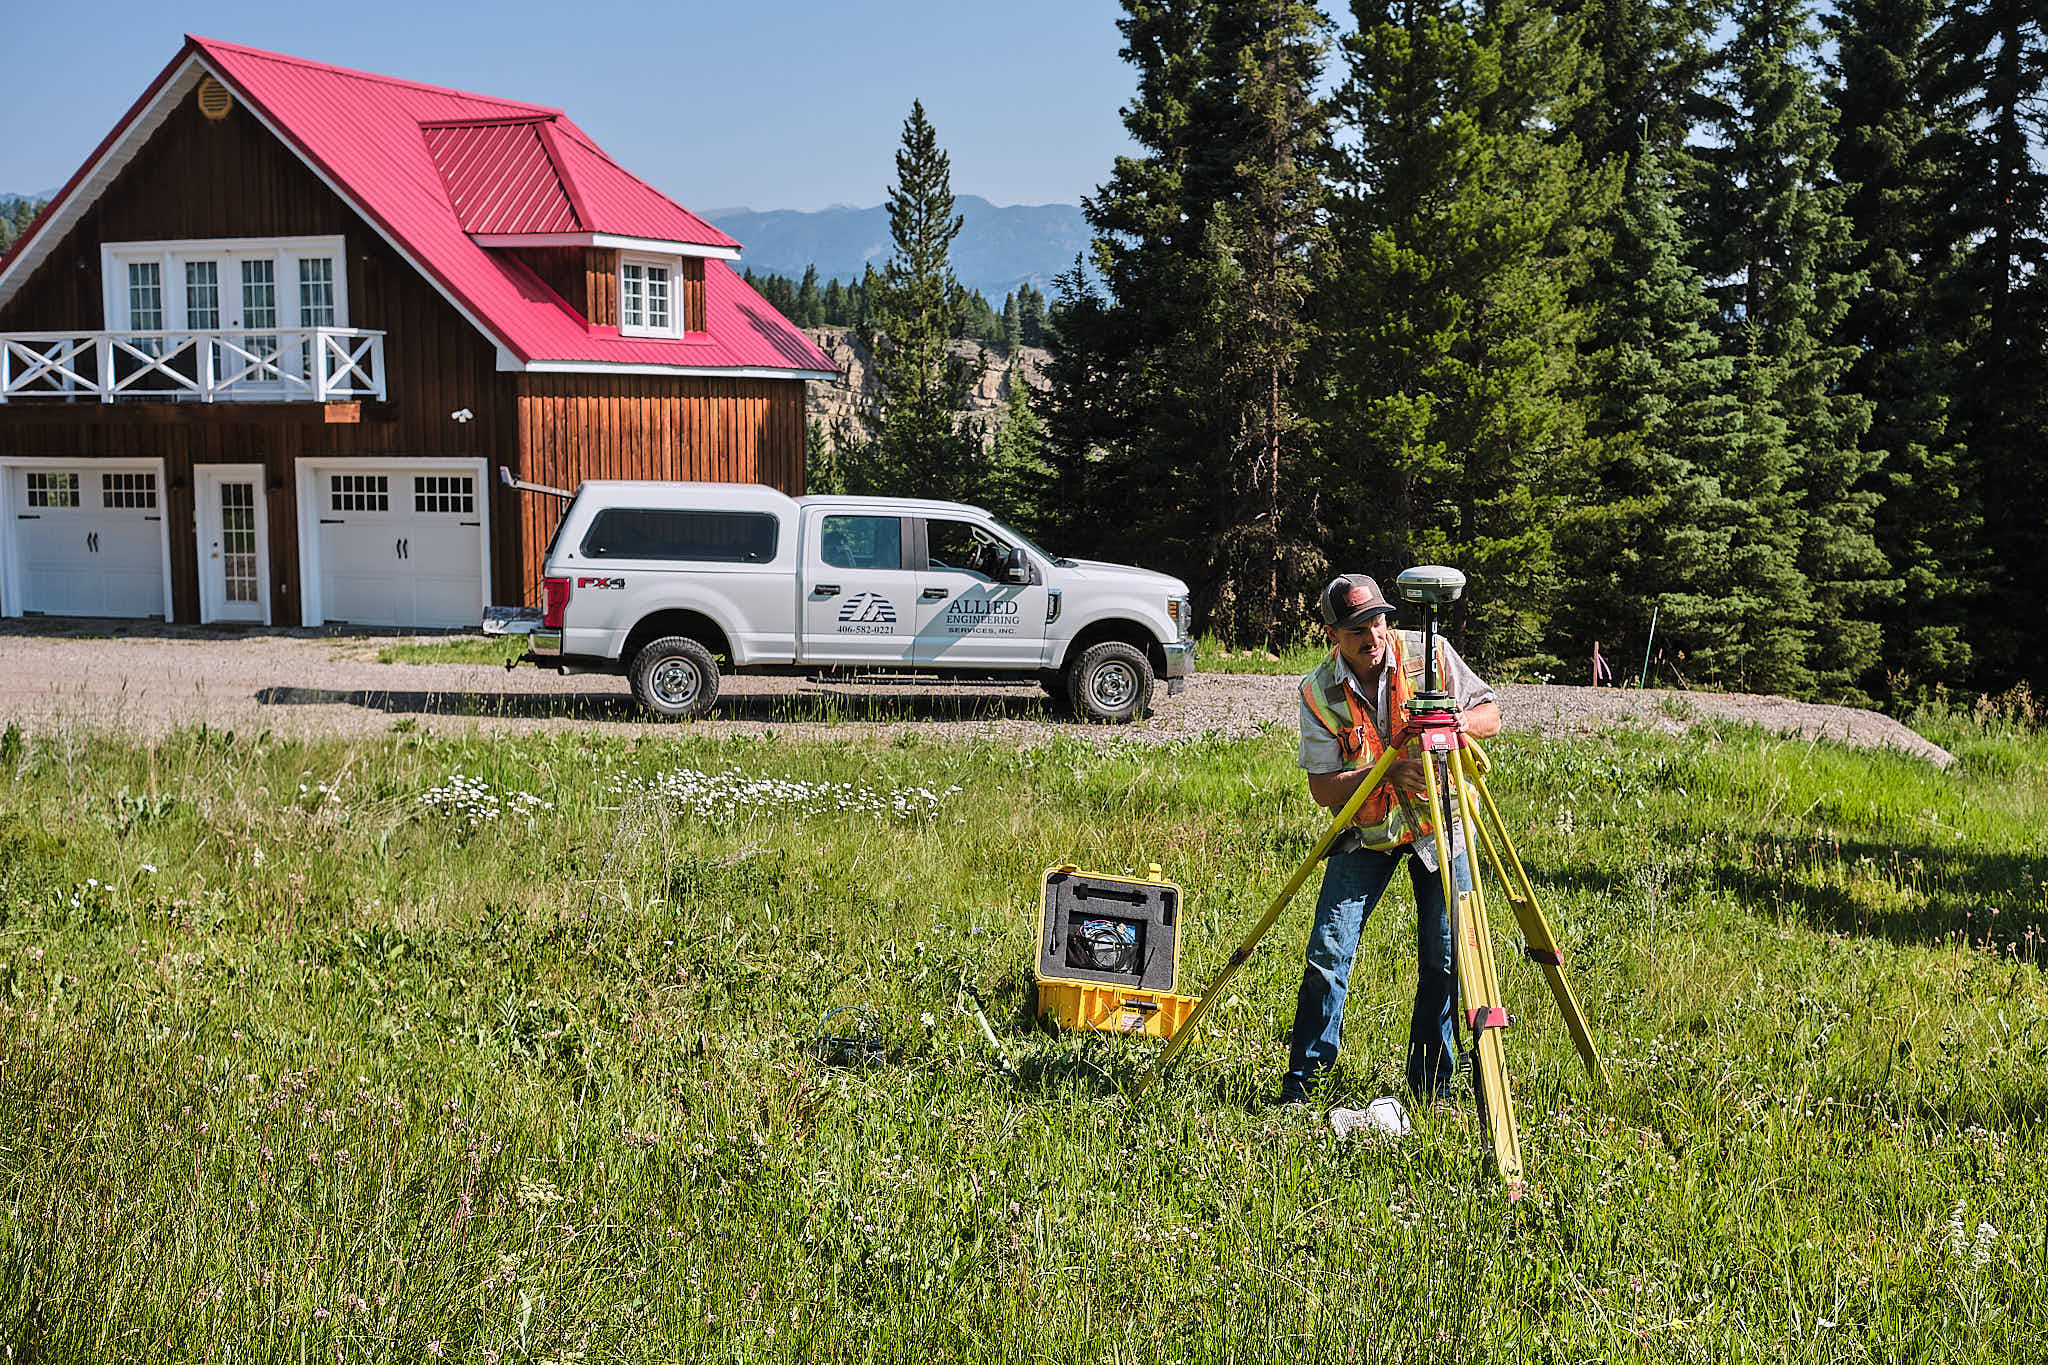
column 306, row 364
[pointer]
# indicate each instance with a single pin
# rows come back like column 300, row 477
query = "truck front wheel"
column 675, row 678
column 1111, row 682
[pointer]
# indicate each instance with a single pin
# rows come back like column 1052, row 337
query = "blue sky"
column 779, row 104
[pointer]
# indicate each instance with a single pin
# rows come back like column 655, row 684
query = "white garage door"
column 400, row 546
column 88, row 540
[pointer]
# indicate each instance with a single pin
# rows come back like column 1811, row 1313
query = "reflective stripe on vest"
column 1387, row 818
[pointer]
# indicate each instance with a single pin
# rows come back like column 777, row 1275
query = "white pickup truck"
column 670, row 583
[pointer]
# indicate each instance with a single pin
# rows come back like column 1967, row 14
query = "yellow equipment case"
column 1109, row 953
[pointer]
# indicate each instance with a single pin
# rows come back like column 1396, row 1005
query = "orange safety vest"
column 1387, row 819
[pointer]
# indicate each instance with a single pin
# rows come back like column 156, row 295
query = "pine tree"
column 1013, row 326
column 1655, row 532
column 809, row 307
column 917, row 446
column 16, row 213
column 1261, row 252
column 1449, row 340
column 1772, row 237
column 1992, row 60
column 1018, row 481
column 973, row 318
column 1030, row 315
column 1888, row 158
column 1649, row 530
column 1173, row 384
column 833, row 305
column 1645, row 57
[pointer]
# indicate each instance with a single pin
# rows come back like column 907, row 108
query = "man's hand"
column 1481, row 721
column 1332, row 790
column 1406, row 777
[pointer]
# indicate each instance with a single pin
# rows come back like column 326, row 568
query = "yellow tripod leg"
column 1478, row 982
column 1540, row 945
column 1242, row 953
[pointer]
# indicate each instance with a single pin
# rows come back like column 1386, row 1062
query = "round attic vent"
column 214, row 99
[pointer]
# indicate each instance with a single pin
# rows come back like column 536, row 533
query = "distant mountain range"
column 1000, row 246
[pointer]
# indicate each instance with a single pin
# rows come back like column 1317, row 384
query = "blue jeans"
column 1352, row 884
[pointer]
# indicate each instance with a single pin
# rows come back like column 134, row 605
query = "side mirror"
column 1016, row 568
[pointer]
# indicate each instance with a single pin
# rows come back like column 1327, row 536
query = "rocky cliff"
column 836, row 406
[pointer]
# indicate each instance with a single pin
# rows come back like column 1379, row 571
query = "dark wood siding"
column 562, row 269
column 694, row 311
column 601, row 271
column 574, row 427
column 200, row 179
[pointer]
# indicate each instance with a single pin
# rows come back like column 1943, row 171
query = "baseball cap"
column 1353, row 599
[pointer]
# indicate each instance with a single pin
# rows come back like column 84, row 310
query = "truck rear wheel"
column 675, row 678
column 1111, row 682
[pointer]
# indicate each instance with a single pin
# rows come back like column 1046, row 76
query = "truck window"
column 555, row 536
column 679, row 534
column 861, row 542
column 964, row 548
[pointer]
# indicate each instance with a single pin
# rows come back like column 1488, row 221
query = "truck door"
column 859, row 591
column 967, row 616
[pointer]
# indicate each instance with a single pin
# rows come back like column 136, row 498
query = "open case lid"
column 1109, row 930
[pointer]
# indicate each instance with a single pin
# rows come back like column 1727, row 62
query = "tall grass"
column 498, row 1050
column 460, row 649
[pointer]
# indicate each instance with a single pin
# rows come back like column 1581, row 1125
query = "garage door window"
column 52, row 490
column 128, row 490
column 360, row 492
column 444, row 493
column 701, row 537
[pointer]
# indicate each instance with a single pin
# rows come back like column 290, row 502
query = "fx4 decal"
column 600, row 582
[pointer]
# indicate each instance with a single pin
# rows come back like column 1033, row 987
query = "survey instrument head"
column 1430, row 585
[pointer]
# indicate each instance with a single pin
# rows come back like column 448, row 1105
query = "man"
column 1351, row 705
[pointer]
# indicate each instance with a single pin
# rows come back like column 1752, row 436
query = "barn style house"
column 262, row 358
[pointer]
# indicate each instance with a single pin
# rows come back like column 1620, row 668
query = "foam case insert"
column 1115, row 931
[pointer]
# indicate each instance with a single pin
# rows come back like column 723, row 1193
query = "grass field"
column 495, row 1050
column 460, row 649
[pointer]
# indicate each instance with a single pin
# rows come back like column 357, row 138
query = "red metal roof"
column 500, row 177
column 429, row 166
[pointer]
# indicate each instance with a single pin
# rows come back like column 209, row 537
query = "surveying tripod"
column 1454, row 783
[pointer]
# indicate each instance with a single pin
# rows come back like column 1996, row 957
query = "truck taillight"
column 554, row 597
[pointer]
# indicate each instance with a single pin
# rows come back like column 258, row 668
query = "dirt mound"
column 1554, row 710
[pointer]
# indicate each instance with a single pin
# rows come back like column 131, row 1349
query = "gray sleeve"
column 1471, row 690
column 1320, row 752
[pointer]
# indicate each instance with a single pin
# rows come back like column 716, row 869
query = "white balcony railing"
column 300, row 365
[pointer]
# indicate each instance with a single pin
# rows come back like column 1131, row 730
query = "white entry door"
column 234, row 543
column 399, row 544
column 87, row 540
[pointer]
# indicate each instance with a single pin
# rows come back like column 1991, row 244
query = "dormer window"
column 647, row 296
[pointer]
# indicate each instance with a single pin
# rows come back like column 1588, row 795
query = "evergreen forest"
column 16, row 213
column 1710, row 331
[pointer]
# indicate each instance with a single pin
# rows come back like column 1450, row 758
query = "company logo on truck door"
column 867, row 613
column 981, row 616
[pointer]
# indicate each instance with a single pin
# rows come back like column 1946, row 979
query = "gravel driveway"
column 148, row 679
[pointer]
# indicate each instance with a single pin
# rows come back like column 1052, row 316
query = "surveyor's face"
column 1365, row 648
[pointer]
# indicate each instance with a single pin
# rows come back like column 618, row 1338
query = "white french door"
column 254, row 301
column 234, row 543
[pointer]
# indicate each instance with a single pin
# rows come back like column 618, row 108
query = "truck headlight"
column 1178, row 612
